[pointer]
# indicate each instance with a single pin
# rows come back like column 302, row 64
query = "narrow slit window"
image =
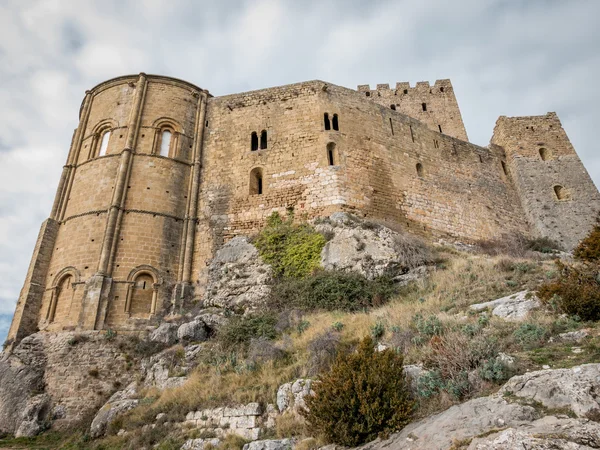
column 504, row 168
column 391, row 126
column 436, row 144
column 327, row 122
column 424, row 106
column 165, row 143
column 256, row 181
column 440, row 128
column 334, row 122
column 331, row 154
column 412, row 134
column 254, row 141
column 104, row 143
column 263, row 139
column 420, row 170
column 406, row 91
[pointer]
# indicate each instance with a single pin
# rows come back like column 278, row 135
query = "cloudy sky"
column 504, row 57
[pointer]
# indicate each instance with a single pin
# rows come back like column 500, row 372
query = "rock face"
column 165, row 333
column 237, row 277
column 120, row 402
column 521, row 405
column 549, row 433
column 168, row 368
column 513, row 307
column 371, row 250
column 194, row 331
column 200, row 444
column 35, row 416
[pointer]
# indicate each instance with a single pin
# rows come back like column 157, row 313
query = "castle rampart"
column 160, row 174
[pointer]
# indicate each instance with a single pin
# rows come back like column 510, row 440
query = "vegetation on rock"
column 292, row 250
column 364, row 394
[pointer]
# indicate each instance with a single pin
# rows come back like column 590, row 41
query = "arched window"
column 61, row 304
column 420, row 170
column 142, row 296
column 263, row 139
column 545, row 154
column 327, row 123
column 504, row 169
column 104, row 143
column 165, row 142
column 424, row 106
column 334, row 122
column 331, row 153
column 254, row 141
column 393, row 107
column 256, row 181
column 561, row 193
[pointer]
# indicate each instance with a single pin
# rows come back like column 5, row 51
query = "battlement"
column 404, row 88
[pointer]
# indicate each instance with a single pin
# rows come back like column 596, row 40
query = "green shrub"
column 240, row 330
column 589, row 248
column 575, row 292
column 377, row 330
column 337, row 326
column 430, row 383
column 363, row 395
column 332, row 290
column 430, row 326
column 292, row 250
column 494, row 370
column 529, row 335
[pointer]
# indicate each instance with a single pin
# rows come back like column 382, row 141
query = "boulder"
column 270, row 444
column 120, row 402
column 524, row 403
column 165, row 333
column 371, row 249
column 573, row 336
column 290, row 396
column 513, row 307
column 237, row 277
column 194, row 331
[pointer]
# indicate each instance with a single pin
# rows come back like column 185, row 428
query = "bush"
column 292, row 250
column 240, row 330
column 364, row 394
column 589, row 248
column 494, row 370
column 517, row 245
column 529, row 335
column 322, row 352
column 575, row 292
column 332, row 290
column 430, row 326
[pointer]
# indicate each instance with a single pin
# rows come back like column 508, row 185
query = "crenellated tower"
column 434, row 105
column 557, row 194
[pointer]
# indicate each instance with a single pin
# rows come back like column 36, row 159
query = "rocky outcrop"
column 371, row 249
column 35, row 417
column 549, row 433
column 194, row 331
column 120, row 402
column 290, row 396
column 513, row 307
column 165, row 333
column 200, row 444
column 238, row 279
column 270, row 444
column 534, row 401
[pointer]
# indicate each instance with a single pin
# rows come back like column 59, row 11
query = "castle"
column 160, row 173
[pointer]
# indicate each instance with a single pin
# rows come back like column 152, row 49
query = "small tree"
column 589, row 248
column 364, row 394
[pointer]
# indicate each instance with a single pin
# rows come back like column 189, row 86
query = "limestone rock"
column 573, row 336
column 160, row 367
column 513, row 307
column 549, row 433
column 237, row 277
column 120, row 402
column 290, row 396
column 412, row 372
column 194, row 331
column 165, row 333
column 35, row 416
column 270, row 444
column 566, row 389
column 371, row 250
column 200, row 444
column 575, row 389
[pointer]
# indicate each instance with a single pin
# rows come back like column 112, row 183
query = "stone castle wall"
column 140, row 212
